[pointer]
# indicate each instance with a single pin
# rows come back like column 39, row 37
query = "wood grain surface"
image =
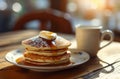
column 12, row 40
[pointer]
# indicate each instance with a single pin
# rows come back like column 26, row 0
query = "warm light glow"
column 71, row 7
column 91, row 4
column 16, row 7
column 97, row 4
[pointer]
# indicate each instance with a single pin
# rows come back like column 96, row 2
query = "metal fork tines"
column 96, row 72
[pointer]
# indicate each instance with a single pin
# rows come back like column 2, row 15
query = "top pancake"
column 38, row 43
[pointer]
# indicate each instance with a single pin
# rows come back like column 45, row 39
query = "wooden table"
column 10, row 41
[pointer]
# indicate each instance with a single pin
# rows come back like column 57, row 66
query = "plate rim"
column 42, row 67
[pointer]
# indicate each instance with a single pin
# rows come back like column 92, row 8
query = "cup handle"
column 111, row 35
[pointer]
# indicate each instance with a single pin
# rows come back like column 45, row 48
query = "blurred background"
column 87, row 12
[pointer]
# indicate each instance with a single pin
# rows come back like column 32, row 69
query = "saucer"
column 76, row 59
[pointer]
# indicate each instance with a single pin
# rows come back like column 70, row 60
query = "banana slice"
column 48, row 35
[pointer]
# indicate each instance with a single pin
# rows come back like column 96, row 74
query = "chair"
column 56, row 20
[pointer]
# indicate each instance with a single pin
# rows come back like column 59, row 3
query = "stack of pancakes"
column 46, row 49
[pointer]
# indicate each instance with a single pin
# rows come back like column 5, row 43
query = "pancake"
column 48, row 59
column 38, row 43
column 46, row 63
column 46, row 49
column 48, row 52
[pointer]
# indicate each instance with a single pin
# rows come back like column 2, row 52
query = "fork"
column 93, row 73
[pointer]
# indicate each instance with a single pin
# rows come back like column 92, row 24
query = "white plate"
column 76, row 58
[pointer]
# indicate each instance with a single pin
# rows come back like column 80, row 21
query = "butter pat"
column 48, row 35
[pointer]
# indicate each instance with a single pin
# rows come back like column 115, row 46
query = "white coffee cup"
column 89, row 38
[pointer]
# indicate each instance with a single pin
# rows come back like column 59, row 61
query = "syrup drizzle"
column 41, row 42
